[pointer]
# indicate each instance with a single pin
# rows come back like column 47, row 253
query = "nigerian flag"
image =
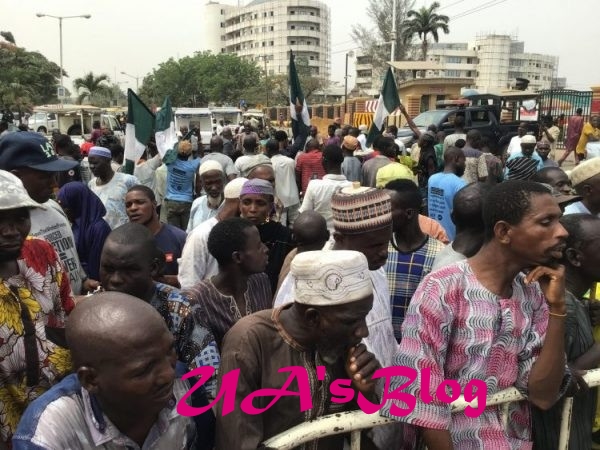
column 140, row 123
column 298, row 106
column 166, row 136
column 388, row 103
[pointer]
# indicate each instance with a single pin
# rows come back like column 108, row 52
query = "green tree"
column 91, row 87
column 197, row 80
column 423, row 22
column 26, row 78
column 279, row 84
column 376, row 41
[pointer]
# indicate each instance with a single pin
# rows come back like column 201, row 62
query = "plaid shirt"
column 404, row 273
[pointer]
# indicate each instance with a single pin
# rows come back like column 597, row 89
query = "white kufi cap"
column 330, row 277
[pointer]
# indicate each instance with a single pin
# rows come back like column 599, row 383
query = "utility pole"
column 393, row 50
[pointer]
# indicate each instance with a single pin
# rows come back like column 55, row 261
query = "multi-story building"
column 265, row 30
column 492, row 61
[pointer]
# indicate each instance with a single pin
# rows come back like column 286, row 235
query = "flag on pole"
column 140, row 123
column 298, row 106
column 165, row 135
column 388, row 103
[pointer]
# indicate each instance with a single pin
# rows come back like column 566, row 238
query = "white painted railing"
column 355, row 421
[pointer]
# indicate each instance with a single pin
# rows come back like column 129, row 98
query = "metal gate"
column 561, row 104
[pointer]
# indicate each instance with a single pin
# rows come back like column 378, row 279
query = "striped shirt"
column 462, row 331
column 220, row 311
column 404, row 273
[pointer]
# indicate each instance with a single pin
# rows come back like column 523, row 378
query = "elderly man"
column 35, row 298
column 31, row 158
column 362, row 221
column 140, row 204
column 322, row 328
column 586, row 181
column 196, row 262
column 109, row 186
column 498, row 317
column 124, row 391
column 211, row 179
column 522, row 165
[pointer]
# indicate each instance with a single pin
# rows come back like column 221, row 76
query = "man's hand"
column 578, row 385
column 90, row 285
column 360, row 367
column 552, row 282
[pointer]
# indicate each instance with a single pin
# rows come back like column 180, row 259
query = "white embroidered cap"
column 330, row 277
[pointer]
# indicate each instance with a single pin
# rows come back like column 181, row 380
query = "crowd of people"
column 205, row 278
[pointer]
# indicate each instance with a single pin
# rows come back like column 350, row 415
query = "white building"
column 492, row 61
column 266, row 30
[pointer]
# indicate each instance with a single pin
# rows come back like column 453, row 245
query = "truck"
column 73, row 120
column 195, row 118
column 228, row 114
column 257, row 118
column 496, row 117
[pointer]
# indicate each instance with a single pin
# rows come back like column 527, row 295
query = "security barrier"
column 355, row 421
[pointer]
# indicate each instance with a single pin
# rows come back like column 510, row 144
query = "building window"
column 469, row 60
column 271, row 43
column 265, row 14
column 453, row 59
column 292, row 12
column 293, row 27
column 271, row 13
column 312, row 28
column 271, row 28
column 312, row 58
column 264, row 44
column 293, row 42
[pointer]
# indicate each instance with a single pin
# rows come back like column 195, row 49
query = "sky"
column 132, row 36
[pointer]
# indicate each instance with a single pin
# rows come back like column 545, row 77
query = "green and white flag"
column 140, row 124
column 298, row 106
column 388, row 103
column 165, row 135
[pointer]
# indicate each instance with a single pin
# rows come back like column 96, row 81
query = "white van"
column 229, row 115
column 191, row 118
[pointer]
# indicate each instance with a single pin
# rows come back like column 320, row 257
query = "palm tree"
column 426, row 21
column 90, row 86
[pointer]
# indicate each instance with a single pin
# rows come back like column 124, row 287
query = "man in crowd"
column 228, row 149
column 308, row 165
column 32, row 159
column 35, row 298
column 351, row 167
column 410, row 252
column 549, row 133
column 247, row 131
column 250, row 159
column 574, row 128
column 196, row 262
column 323, row 326
column 140, row 203
column 384, row 146
column 459, row 132
column 319, row 192
column 556, row 178
column 216, row 153
column 452, row 324
column 240, row 287
column 582, row 271
column 514, row 146
column 475, row 162
column 522, row 165
column 543, row 149
column 362, row 221
column 129, row 264
column 443, row 186
column 211, row 179
column 586, row 181
column 286, row 189
column 589, row 133
column 109, row 186
column 124, row 391
column 467, row 208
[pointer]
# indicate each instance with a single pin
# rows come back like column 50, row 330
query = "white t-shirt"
column 52, row 225
column 112, row 196
column 196, row 263
column 286, row 188
column 318, row 196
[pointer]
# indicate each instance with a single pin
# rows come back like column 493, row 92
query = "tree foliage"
column 197, row 80
column 91, row 87
column 26, row 78
column 424, row 22
column 279, row 84
column 376, row 42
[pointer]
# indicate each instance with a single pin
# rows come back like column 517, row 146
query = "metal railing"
column 355, row 421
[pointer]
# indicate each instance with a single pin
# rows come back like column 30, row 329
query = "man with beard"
column 211, row 179
column 471, row 321
column 443, row 186
column 322, row 328
column 35, row 298
column 140, row 204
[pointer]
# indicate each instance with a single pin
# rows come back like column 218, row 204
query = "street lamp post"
column 60, row 19
column 137, row 79
column 351, row 54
